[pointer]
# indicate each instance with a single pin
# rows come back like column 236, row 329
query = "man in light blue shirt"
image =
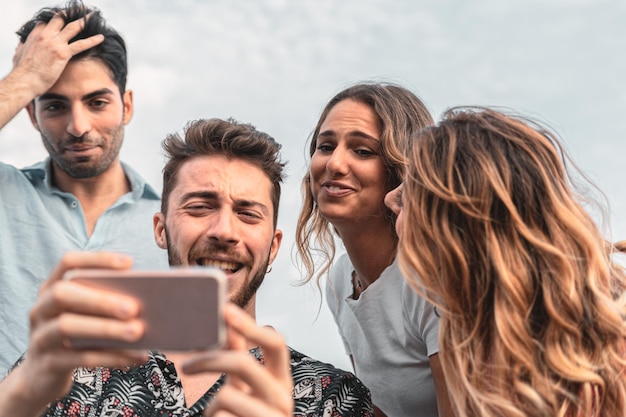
column 70, row 74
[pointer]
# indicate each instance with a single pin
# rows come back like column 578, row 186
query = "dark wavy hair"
column 112, row 51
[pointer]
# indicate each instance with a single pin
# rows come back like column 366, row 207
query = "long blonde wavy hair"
column 495, row 235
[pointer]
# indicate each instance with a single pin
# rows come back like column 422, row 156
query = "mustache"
column 80, row 140
column 217, row 250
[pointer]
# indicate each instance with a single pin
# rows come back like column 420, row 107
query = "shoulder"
column 321, row 388
column 140, row 187
column 340, row 273
column 33, row 172
column 420, row 318
column 339, row 284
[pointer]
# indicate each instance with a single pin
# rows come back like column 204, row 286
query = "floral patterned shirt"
column 154, row 389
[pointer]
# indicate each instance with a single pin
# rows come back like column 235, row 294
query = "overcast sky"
column 275, row 63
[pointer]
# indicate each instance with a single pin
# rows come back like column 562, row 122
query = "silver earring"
column 269, row 269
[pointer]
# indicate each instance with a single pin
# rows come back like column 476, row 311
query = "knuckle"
column 69, row 259
column 57, row 293
column 64, row 325
column 276, row 342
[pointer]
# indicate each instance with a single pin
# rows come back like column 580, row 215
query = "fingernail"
column 134, row 330
column 127, row 310
column 121, row 259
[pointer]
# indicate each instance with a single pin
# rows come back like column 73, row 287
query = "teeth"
column 334, row 188
column 219, row 264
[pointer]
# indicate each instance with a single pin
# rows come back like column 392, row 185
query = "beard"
column 87, row 167
column 247, row 289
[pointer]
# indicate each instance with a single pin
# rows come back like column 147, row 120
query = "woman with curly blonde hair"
column 532, row 307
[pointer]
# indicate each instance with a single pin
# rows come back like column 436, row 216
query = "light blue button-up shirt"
column 39, row 224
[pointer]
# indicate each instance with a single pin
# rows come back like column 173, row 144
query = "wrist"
column 16, row 400
column 20, row 85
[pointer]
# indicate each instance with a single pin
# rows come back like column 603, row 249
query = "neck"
column 196, row 385
column 95, row 194
column 370, row 249
column 250, row 308
column 112, row 181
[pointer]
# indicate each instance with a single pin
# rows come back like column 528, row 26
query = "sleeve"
column 345, row 395
column 335, row 299
column 421, row 320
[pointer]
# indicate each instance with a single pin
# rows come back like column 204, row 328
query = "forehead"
column 231, row 179
column 354, row 115
column 84, row 75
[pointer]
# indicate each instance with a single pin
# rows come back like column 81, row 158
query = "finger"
column 35, row 31
column 58, row 333
column 106, row 358
column 61, row 361
column 55, row 337
column 20, row 48
column 74, row 297
column 74, row 326
column 73, row 260
column 275, row 350
column 242, row 365
column 73, row 28
column 81, row 45
column 54, row 25
column 233, row 402
column 236, row 342
column 234, row 339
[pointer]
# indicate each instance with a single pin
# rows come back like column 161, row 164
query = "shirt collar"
column 139, row 187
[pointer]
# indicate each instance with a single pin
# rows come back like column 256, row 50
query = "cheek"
column 259, row 245
column 182, row 234
column 317, row 167
column 372, row 174
column 50, row 127
column 108, row 123
column 316, row 170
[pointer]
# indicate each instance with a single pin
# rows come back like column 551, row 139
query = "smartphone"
column 181, row 308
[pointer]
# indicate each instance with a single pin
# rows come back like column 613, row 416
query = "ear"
column 276, row 240
column 30, row 108
column 127, row 98
column 160, row 237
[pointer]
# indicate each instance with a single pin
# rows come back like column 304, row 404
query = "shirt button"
column 74, row 204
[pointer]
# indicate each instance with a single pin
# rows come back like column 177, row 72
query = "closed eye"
column 198, row 209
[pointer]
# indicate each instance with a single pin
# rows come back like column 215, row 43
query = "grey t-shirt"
column 391, row 361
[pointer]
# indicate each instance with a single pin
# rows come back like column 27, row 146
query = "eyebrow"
column 355, row 133
column 86, row 97
column 211, row 195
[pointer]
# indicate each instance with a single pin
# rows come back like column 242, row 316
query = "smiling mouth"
column 334, row 188
column 228, row 267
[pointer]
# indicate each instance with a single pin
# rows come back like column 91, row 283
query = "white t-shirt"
column 390, row 332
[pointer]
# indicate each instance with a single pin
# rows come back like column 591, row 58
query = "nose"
column 223, row 227
column 80, row 122
column 392, row 200
column 337, row 162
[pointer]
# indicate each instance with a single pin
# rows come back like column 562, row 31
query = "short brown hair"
column 229, row 138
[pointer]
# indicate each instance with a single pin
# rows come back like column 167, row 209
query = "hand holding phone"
column 181, row 308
